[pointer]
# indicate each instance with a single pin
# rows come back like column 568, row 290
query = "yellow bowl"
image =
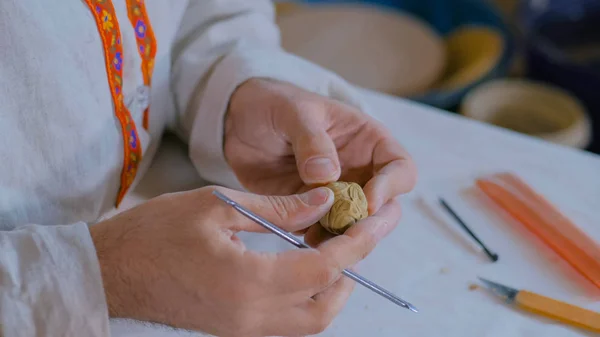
column 472, row 53
column 286, row 7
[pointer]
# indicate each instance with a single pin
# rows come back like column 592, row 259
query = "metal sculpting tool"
column 548, row 307
column 293, row 240
column 493, row 256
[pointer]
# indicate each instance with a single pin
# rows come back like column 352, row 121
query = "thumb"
column 316, row 156
column 291, row 213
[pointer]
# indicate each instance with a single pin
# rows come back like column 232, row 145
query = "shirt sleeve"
column 220, row 45
column 50, row 283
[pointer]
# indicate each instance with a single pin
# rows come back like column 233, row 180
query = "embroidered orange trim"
column 144, row 35
column 108, row 27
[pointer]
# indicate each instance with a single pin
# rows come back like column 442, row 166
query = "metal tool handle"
column 293, row 240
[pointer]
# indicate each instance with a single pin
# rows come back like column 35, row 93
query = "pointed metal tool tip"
column 500, row 289
column 412, row 308
column 487, row 282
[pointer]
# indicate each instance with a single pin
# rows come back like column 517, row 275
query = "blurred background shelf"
column 547, row 45
column 445, row 17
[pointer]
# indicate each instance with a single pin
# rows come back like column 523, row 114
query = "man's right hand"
column 176, row 260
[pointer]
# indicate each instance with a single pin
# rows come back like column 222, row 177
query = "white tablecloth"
column 428, row 260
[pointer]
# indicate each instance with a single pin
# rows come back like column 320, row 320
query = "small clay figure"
column 349, row 206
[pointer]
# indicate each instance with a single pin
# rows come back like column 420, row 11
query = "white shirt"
column 61, row 147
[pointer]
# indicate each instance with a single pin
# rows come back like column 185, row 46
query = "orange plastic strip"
column 108, row 27
column 146, row 42
column 545, row 221
column 553, row 215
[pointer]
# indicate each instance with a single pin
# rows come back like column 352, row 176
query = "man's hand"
column 177, row 260
column 280, row 139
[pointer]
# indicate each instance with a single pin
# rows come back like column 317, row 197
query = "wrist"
column 100, row 236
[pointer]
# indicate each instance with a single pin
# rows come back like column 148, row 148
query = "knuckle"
column 206, row 190
column 309, row 105
column 327, row 274
column 204, row 193
column 282, row 206
column 363, row 255
column 367, row 242
column 371, row 239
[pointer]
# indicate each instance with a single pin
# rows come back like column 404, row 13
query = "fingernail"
column 320, row 168
column 316, row 197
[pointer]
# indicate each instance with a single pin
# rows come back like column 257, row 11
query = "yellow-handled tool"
column 548, row 307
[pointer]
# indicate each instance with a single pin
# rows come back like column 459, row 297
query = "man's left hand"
column 281, row 139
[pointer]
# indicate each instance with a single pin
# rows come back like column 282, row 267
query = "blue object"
column 445, row 16
column 552, row 32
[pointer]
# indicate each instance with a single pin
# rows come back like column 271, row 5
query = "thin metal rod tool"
column 493, row 256
column 293, row 240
